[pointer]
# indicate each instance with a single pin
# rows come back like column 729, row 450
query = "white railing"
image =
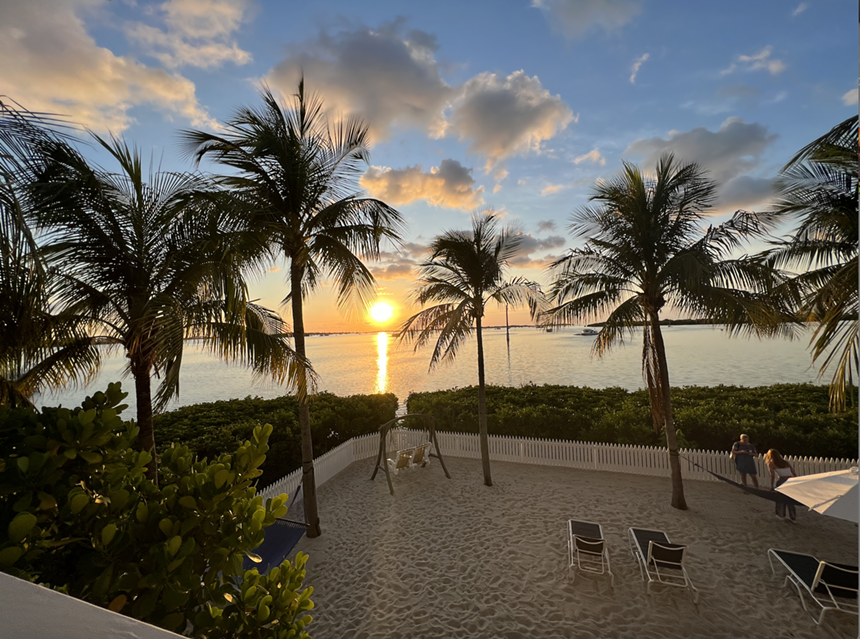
column 636, row 460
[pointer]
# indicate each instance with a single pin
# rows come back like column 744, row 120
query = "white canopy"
column 834, row 494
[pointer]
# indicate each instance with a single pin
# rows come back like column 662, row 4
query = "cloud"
column 800, row 9
column 395, row 271
column 745, row 192
column 546, row 225
column 59, row 68
column 387, row 77
column 741, row 91
column 850, row 98
column 197, row 33
column 450, row 185
column 637, row 64
column 549, row 189
column 592, row 156
column 503, row 117
column 497, row 188
column 574, row 18
column 529, row 244
column 756, row 62
column 733, row 149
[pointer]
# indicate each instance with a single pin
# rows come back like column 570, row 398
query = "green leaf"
column 10, row 555
column 24, row 464
column 21, row 526
column 174, row 544
column 221, row 477
column 166, row 527
column 108, row 533
column 90, row 457
column 70, row 453
column 142, row 513
column 46, row 501
column 79, row 502
column 188, row 502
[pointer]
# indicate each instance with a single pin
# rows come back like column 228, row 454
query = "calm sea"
column 375, row 363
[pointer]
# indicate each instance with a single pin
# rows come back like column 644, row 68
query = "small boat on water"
column 587, row 331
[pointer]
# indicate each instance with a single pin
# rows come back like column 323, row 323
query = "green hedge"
column 792, row 418
column 213, row 428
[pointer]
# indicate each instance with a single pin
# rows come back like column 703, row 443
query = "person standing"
column 744, row 455
column 781, row 469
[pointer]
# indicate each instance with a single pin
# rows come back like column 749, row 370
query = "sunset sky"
column 519, row 105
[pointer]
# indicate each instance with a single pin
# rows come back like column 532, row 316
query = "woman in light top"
column 782, row 470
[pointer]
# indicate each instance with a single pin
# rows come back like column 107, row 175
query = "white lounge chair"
column 659, row 560
column 831, row 586
column 586, row 549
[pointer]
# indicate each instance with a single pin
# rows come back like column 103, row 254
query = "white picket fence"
column 636, row 460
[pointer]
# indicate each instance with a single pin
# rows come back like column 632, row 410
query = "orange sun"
column 381, row 312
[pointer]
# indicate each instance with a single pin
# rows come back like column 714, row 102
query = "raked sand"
column 453, row 558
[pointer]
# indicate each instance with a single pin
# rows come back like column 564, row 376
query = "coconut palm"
column 465, row 272
column 818, row 187
column 295, row 183
column 645, row 249
column 40, row 347
column 149, row 262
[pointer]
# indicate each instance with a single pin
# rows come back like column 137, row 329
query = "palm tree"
column 294, row 182
column 819, row 187
column 465, row 271
column 40, row 347
column 148, row 264
column 644, row 250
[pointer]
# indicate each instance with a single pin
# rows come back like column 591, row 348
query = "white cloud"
column 503, row 117
column 197, row 33
column 60, row 69
column 497, row 188
column 592, row 156
column 388, row 78
column 757, row 62
column 529, row 244
column 732, row 151
column 573, row 18
column 800, row 9
column 549, row 189
column 450, row 185
column 850, row 98
column 546, row 225
column 637, row 64
column 745, row 192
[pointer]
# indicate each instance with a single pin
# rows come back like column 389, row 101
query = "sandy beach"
column 453, row 558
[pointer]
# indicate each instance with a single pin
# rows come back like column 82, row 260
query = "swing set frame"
column 386, row 429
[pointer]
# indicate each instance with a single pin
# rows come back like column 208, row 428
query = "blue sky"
column 519, row 105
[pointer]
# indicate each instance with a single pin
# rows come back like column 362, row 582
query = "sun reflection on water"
column 381, row 363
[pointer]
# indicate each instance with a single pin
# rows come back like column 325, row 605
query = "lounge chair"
column 403, row 460
column 831, row 586
column 586, row 549
column 422, row 455
column 659, row 560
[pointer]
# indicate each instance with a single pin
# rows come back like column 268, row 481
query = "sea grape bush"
column 77, row 513
column 212, row 428
column 793, row 418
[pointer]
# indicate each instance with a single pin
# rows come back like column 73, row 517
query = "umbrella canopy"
column 833, row 494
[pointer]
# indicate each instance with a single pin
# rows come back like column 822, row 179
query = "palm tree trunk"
column 482, row 409
column 309, row 485
column 678, row 500
column 143, row 395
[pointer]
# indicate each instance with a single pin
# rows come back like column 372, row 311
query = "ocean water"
column 374, row 362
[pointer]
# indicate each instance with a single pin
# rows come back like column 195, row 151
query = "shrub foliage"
column 793, row 418
column 212, row 428
column 78, row 513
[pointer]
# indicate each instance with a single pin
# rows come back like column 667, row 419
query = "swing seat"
column 402, row 461
column 421, row 457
